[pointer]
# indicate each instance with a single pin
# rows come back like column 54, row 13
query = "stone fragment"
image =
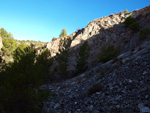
column 56, row 106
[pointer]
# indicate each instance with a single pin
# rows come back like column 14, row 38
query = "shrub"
column 128, row 21
column 95, row 88
column 108, row 52
column 144, row 33
column 134, row 26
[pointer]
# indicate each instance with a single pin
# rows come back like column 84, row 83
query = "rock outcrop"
column 106, row 30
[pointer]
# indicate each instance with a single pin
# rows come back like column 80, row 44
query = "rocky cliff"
column 119, row 85
column 106, row 30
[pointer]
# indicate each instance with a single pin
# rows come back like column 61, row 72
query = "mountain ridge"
column 106, row 30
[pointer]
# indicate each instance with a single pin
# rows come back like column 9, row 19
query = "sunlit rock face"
column 53, row 46
column 57, row 43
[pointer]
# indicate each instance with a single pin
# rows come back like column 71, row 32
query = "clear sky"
column 41, row 20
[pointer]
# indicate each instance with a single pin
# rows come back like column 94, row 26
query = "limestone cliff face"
column 110, row 30
column 55, row 45
column 93, row 28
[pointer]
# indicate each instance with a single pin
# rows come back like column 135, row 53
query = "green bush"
column 108, row 52
column 144, row 33
column 95, row 88
column 134, row 26
column 19, row 52
column 35, row 43
column 130, row 22
column 9, row 45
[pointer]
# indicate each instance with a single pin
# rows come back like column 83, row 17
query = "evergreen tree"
column 9, row 46
column 9, row 43
column 63, row 33
column 108, row 52
column 63, row 57
column 19, row 52
column 126, row 11
column 20, row 83
column 3, row 33
column 82, row 57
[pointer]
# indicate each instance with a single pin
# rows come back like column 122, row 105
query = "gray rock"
column 117, row 106
column 91, row 107
column 56, row 106
column 75, row 102
column 145, row 72
column 145, row 110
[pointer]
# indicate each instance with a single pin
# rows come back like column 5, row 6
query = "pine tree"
column 20, row 82
column 63, row 57
column 126, row 11
column 63, row 33
column 82, row 57
column 9, row 44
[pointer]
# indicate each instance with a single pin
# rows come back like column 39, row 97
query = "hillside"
column 104, row 67
column 119, row 85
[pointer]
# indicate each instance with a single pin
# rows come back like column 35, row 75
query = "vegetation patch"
column 28, row 42
column 144, row 33
column 126, row 11
column 63, row 33
column 134, row 26
column 63, row 57
column 82, row 57
column 108, row 52
column 20, row 82
column 131, row 23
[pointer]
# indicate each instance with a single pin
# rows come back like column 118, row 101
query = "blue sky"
column 41, row 20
